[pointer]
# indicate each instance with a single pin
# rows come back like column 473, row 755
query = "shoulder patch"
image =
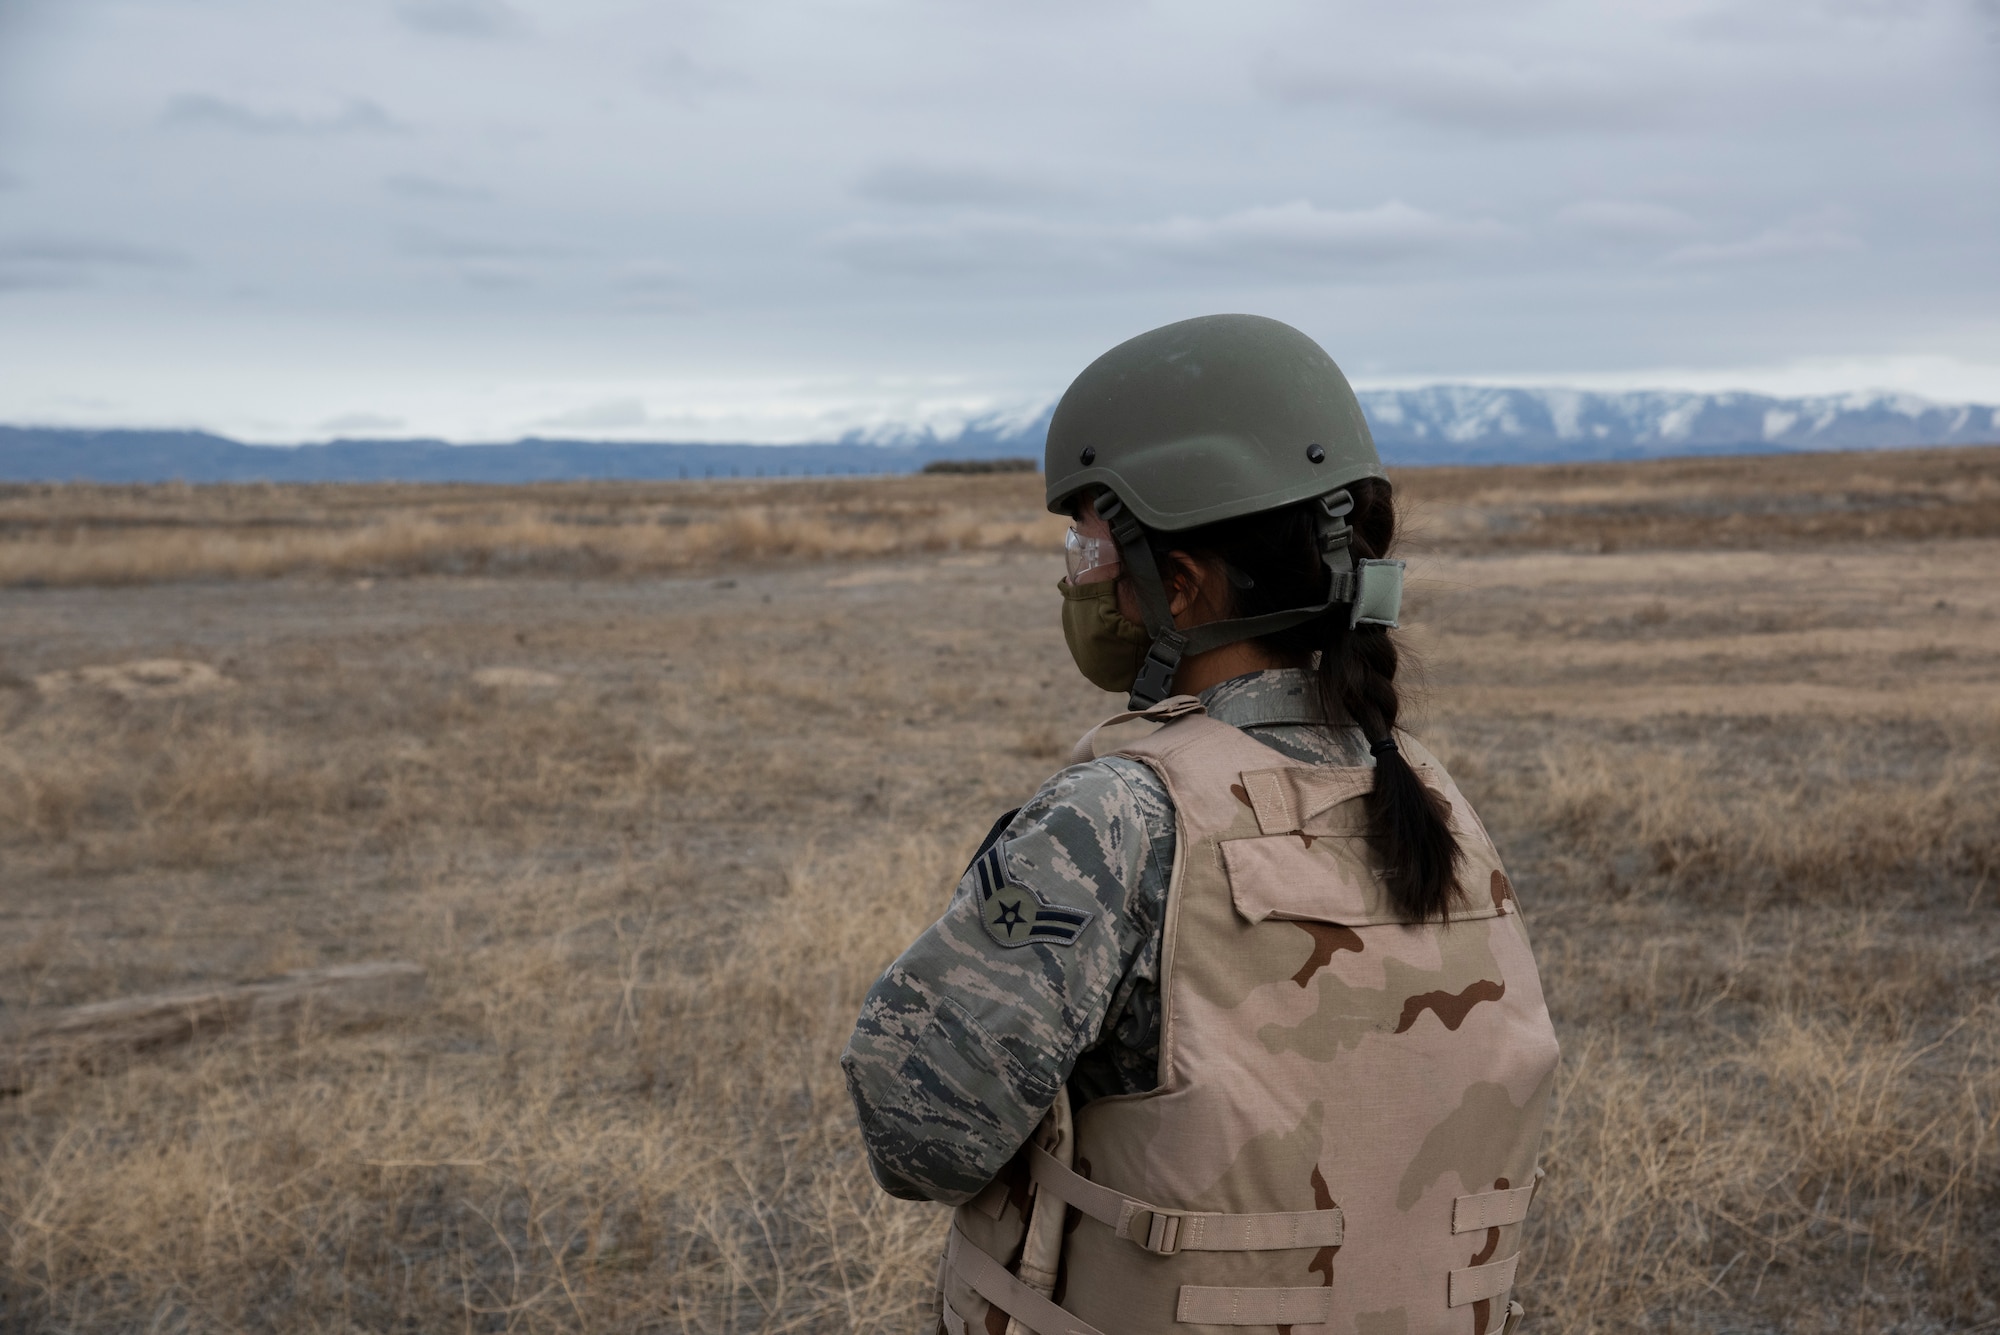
column 1014, row 914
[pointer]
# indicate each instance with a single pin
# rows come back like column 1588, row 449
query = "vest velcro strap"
column 954, row 1324
column 1479, row 1282
column 1254, row 1307
column 1165, row 1232
column 1490, row 1209
column 990, row 1280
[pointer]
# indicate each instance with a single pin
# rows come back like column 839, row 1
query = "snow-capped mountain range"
column 1487, row 424
column 1477, row 424
column 1439, row 424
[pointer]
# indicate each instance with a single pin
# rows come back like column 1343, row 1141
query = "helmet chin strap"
column 1373, row 589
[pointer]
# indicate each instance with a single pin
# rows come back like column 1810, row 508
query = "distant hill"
column 1436, row 425
column 45, row 454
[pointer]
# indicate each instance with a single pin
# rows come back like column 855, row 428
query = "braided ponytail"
column 1276, row 554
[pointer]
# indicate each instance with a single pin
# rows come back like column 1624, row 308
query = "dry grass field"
column 652, row 781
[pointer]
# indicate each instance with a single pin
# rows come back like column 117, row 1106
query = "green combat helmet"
column 1206, row 420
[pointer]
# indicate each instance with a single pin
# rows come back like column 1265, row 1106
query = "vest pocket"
column 1316, row 878
column 1324, row 878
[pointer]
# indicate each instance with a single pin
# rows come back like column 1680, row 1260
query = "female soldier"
column 1267, row 953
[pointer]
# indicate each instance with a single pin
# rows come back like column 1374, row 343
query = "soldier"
column 1266, row 954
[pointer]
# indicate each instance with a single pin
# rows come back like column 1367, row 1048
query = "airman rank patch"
column 1014, row 914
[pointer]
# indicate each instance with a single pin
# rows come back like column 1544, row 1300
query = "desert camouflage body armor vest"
column 1344, row 1133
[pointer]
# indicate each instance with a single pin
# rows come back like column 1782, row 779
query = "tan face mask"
column 1107, row 647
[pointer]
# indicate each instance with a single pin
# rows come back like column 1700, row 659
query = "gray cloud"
column 1297, row 238
column 1818, row 234
column 496, row 276
column 651, row 278
column 434, row 190
column 460, row 18
column 52, row 262
column 610, row 415
column 362, row 422
column 8, row 180
column 87, row 252
column 33, row 279
column 1480, row 92
column 481, row 263
column 441, row 246
column 204, row 111
column 653, row 287
column 963, row 246
column 931, row 185
column 1626, row 220
column 1300, row 235
column 685, row 81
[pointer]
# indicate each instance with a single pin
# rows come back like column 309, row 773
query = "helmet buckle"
column 1155, row 681
column 1334, row 533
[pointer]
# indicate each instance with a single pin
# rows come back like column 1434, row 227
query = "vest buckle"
column 1158, row 1231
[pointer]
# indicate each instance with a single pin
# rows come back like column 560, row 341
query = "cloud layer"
column 473, row 216
column 204, row 111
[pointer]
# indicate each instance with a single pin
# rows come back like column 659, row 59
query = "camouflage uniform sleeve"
column 964, row 1042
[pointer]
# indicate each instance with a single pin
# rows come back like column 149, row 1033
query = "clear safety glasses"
column 1092, row 558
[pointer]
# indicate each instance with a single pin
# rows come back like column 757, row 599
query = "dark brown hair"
column 1272, row 560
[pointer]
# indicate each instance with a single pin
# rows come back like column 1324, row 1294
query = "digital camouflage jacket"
column 963, row 1043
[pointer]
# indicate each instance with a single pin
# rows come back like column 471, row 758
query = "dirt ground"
column 653, row 815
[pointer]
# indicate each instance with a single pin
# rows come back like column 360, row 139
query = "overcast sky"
column 483, row 218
